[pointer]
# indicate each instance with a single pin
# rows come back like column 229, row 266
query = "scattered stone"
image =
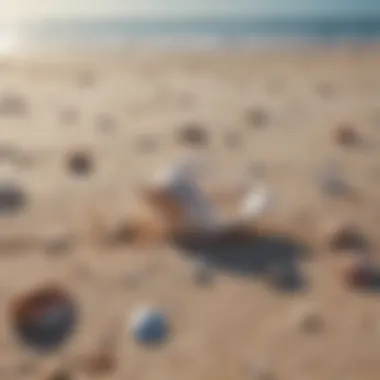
column 13, row 198
column 150, row 326
column 203, row 273
column 13, row 105
column 332, row 182
column 346, row 236
column 346, row 135
column 80, row 163
column 311, row 322
column 44, row 318
column 258, row 117
column 232, row 139
column 193, row 134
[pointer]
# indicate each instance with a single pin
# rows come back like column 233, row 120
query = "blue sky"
column 42, row 8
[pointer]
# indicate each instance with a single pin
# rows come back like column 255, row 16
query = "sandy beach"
column 78, row 135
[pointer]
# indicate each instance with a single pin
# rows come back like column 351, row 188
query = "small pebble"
column 346, row 135
column 346, row 236
column 310, row 322
column 13, row 198
column 80, row 164
column 13, row 105
column 332, row 182
column 258, row 117
column 150, row 326
column 193, row 134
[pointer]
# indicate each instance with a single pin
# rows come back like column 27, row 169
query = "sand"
column 273, row 114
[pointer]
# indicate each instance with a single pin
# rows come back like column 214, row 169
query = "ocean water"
column 200, row 32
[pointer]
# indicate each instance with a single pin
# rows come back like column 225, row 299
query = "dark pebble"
column 347, row 237
column 13, row 198
column 358, row 273
column 346, row 135
column 258, row 117
column 311, row 322
column 43, row 319
column 80, row 164
column 193, row 134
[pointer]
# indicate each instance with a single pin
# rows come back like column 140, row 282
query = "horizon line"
column 180, row 16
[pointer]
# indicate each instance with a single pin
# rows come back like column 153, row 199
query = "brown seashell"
column 43, row 318
column 356, row 272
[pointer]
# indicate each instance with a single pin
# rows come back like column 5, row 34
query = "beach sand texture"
column 77, row 137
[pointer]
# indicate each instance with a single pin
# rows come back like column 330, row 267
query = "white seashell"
column 255, row 203
column 180, row 182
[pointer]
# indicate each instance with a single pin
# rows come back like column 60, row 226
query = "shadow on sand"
column 276, row 258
